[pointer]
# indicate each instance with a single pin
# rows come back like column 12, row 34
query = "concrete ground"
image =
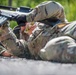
column 17, row 66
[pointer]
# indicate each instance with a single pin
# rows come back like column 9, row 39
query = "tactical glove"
column 21, row 20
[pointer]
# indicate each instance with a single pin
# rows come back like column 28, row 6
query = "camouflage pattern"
column 62, row 48
column 48, row 9
column 43, row 11
column 40, row 36
column 2, row 49
column 50, row 43
column 70, row 30
column 53, row 43
column 10, row 42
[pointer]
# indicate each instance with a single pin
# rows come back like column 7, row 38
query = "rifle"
column 10, row 13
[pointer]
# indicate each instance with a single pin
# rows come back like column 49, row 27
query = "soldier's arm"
column 45, row 10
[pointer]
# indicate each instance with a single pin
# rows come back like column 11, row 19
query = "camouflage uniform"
column 57, row 44
column 50, row 43
column 46, row 10
column 10, row 42
column 2, row 49
column 62, row 48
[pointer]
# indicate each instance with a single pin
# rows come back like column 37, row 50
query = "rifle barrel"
column 7, row 7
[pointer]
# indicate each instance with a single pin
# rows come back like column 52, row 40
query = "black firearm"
column 10, row 13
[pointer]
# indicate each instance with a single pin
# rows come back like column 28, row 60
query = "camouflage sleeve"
column 2, row 49
column 47, row 9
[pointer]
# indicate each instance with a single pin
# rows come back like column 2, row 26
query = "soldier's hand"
column 21, row 20
column 6, row 54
